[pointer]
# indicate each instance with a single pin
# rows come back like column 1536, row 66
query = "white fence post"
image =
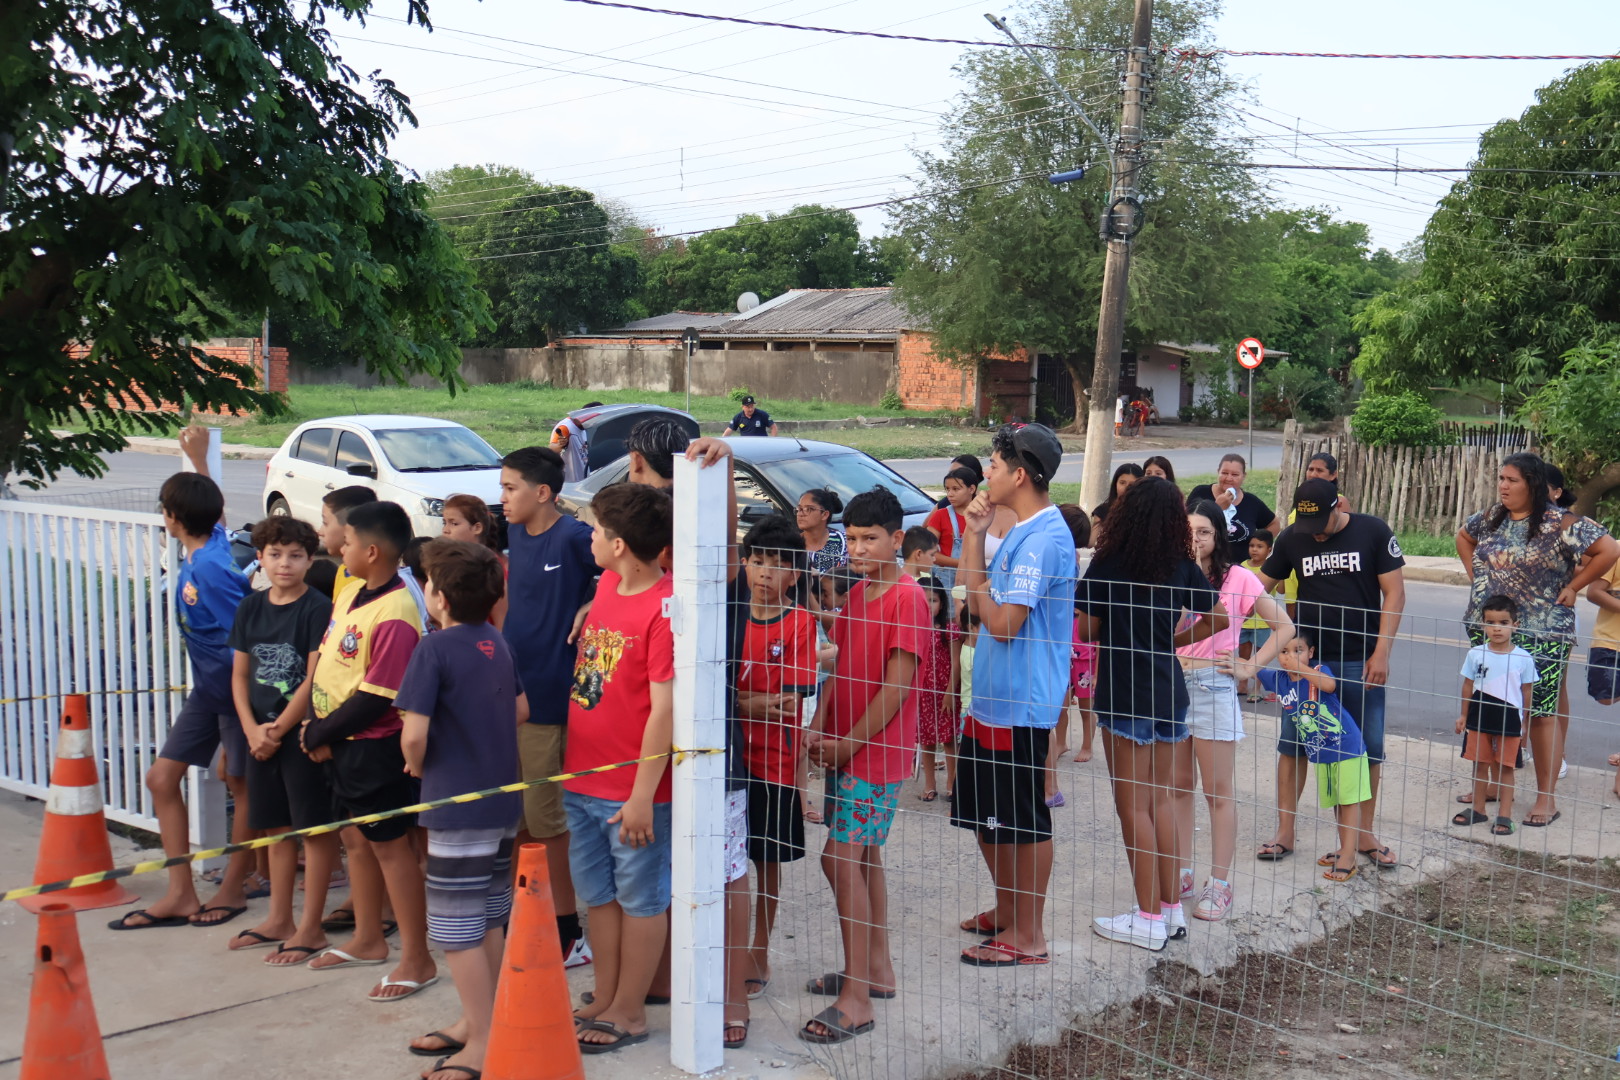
column 698, row 615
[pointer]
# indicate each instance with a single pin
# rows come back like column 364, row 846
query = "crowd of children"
column 409, row 670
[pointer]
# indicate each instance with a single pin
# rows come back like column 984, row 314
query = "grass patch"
column 1413, row 543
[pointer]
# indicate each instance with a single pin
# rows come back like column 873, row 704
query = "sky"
column 689, row 123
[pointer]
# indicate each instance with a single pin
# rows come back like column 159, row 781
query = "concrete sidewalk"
column 174, row 1003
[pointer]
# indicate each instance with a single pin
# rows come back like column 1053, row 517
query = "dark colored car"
column 606, row 426
column 771, row 475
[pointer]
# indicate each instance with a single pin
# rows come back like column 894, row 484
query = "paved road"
column 930, row 472
column 133, row 479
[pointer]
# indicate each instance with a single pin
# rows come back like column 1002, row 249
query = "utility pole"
column 1121, row 221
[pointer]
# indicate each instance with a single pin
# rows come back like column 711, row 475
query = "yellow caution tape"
column 92, row 693
column 151, row 866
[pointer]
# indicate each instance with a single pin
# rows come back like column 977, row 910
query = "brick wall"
column 928, row 382
column 241, row 350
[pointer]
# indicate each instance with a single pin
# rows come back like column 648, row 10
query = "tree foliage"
column 1404, row 419
column 1518, row 267
column 178, row 162
column 1002, row 263
column 1577, row 414
column 808, row 247
column 552, row 258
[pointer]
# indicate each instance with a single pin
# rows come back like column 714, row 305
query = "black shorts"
column 1603, row 674
column 775, row 822
column 1001, row 784
column 288, row 791
column 368, row 776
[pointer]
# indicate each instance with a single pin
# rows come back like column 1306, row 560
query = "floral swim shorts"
column 858, row 811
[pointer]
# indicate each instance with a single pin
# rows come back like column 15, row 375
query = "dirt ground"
column 1505, row 968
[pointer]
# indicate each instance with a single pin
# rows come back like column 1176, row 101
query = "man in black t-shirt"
column 1242, row 506
column 751, row 421
column 1351, row 595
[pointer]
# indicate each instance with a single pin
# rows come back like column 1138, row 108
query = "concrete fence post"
column 698, row 619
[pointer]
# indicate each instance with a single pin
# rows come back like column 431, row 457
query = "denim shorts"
column 1254, row 635
column 1212, row 712
column 203, row 726
column 1364, row 703
column 606, row 870
column 1603, row 674
column 1145, row 730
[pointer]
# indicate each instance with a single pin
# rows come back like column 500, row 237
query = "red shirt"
column 625, row 647
column 778, row 656
column 866, row 633
column 940, row 522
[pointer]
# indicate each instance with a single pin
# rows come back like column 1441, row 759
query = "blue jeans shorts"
column 606, row 870
column 1603, row 674
column 1212, row 712
column 1364, row 703
column 1255, row 636
column 1144, row 730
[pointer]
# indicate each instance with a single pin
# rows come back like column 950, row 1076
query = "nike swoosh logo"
column 558, row 566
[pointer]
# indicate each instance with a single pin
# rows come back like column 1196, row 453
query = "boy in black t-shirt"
column 463, row 703
column 275, row 638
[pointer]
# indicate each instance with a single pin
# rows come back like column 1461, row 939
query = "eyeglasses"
column 811, row 509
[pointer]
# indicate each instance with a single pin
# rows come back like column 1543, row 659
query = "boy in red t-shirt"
column 777, row 671
column 865, row 737
column 621, row 708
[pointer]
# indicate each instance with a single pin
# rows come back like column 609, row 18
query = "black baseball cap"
column 1314, row 501
column 1037, row 445
column 748, row 399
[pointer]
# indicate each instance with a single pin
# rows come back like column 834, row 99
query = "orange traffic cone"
column 63, row 1040
column 532, row 1037
column 74, row 840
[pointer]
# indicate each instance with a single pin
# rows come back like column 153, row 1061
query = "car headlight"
column 433, row 507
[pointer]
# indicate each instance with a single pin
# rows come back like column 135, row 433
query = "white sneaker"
column 1133, row 929
column 1563, row 769
column 1214, row 903
column 578, row 955
column 1175, row 922
column 1188, row 884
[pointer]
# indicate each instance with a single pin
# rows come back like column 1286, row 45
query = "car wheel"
column 279, row 508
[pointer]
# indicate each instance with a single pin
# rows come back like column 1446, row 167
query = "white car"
column 415, row 461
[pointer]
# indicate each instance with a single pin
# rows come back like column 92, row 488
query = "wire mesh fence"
column 902, row 872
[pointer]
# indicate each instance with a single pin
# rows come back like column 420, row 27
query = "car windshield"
column 436, row 449
column 847, row 474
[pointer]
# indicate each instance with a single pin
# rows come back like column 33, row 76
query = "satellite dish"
column 747, row 302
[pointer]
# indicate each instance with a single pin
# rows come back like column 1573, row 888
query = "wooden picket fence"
column 1430, row 489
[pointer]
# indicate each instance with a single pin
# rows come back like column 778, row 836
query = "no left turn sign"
column 1250, row 352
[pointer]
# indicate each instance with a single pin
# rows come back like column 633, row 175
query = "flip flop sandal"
column 1467, row 798
column 621, row 1037
column 470, row 1072
column 839, row 1029
column 763, row 984
column 412, row 987
column 259, row 941
column 1556, row 814
column 309, row 952
column 1009, row 956
column 1503, row 826
column 929, row 796
column 736, row 1044
column 442, row 1052
column 832, row 984
column 982, row 923
column 1273, row 852
column 348, row 961
column 1378, row 855
column 390, row 928
column 1340, row 875
column 1330, row 859
column 257, row 888
column 1470, row 817
column 230, row 913
column 341, row 919
column 152, row 921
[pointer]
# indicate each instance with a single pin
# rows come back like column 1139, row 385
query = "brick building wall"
column 926, row 381
column 240, row 350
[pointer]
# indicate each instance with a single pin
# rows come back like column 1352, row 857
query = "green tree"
column 1578, row 415
column 178, row 162
column 808, row 247
column 1002, row 263
column 1322, row 273
column 1518, row 267
column 551, row 257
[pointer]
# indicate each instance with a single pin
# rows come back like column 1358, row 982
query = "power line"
column 1165, row 50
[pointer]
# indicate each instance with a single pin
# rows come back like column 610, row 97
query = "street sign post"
column 1250, row 354
column 689, row 339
